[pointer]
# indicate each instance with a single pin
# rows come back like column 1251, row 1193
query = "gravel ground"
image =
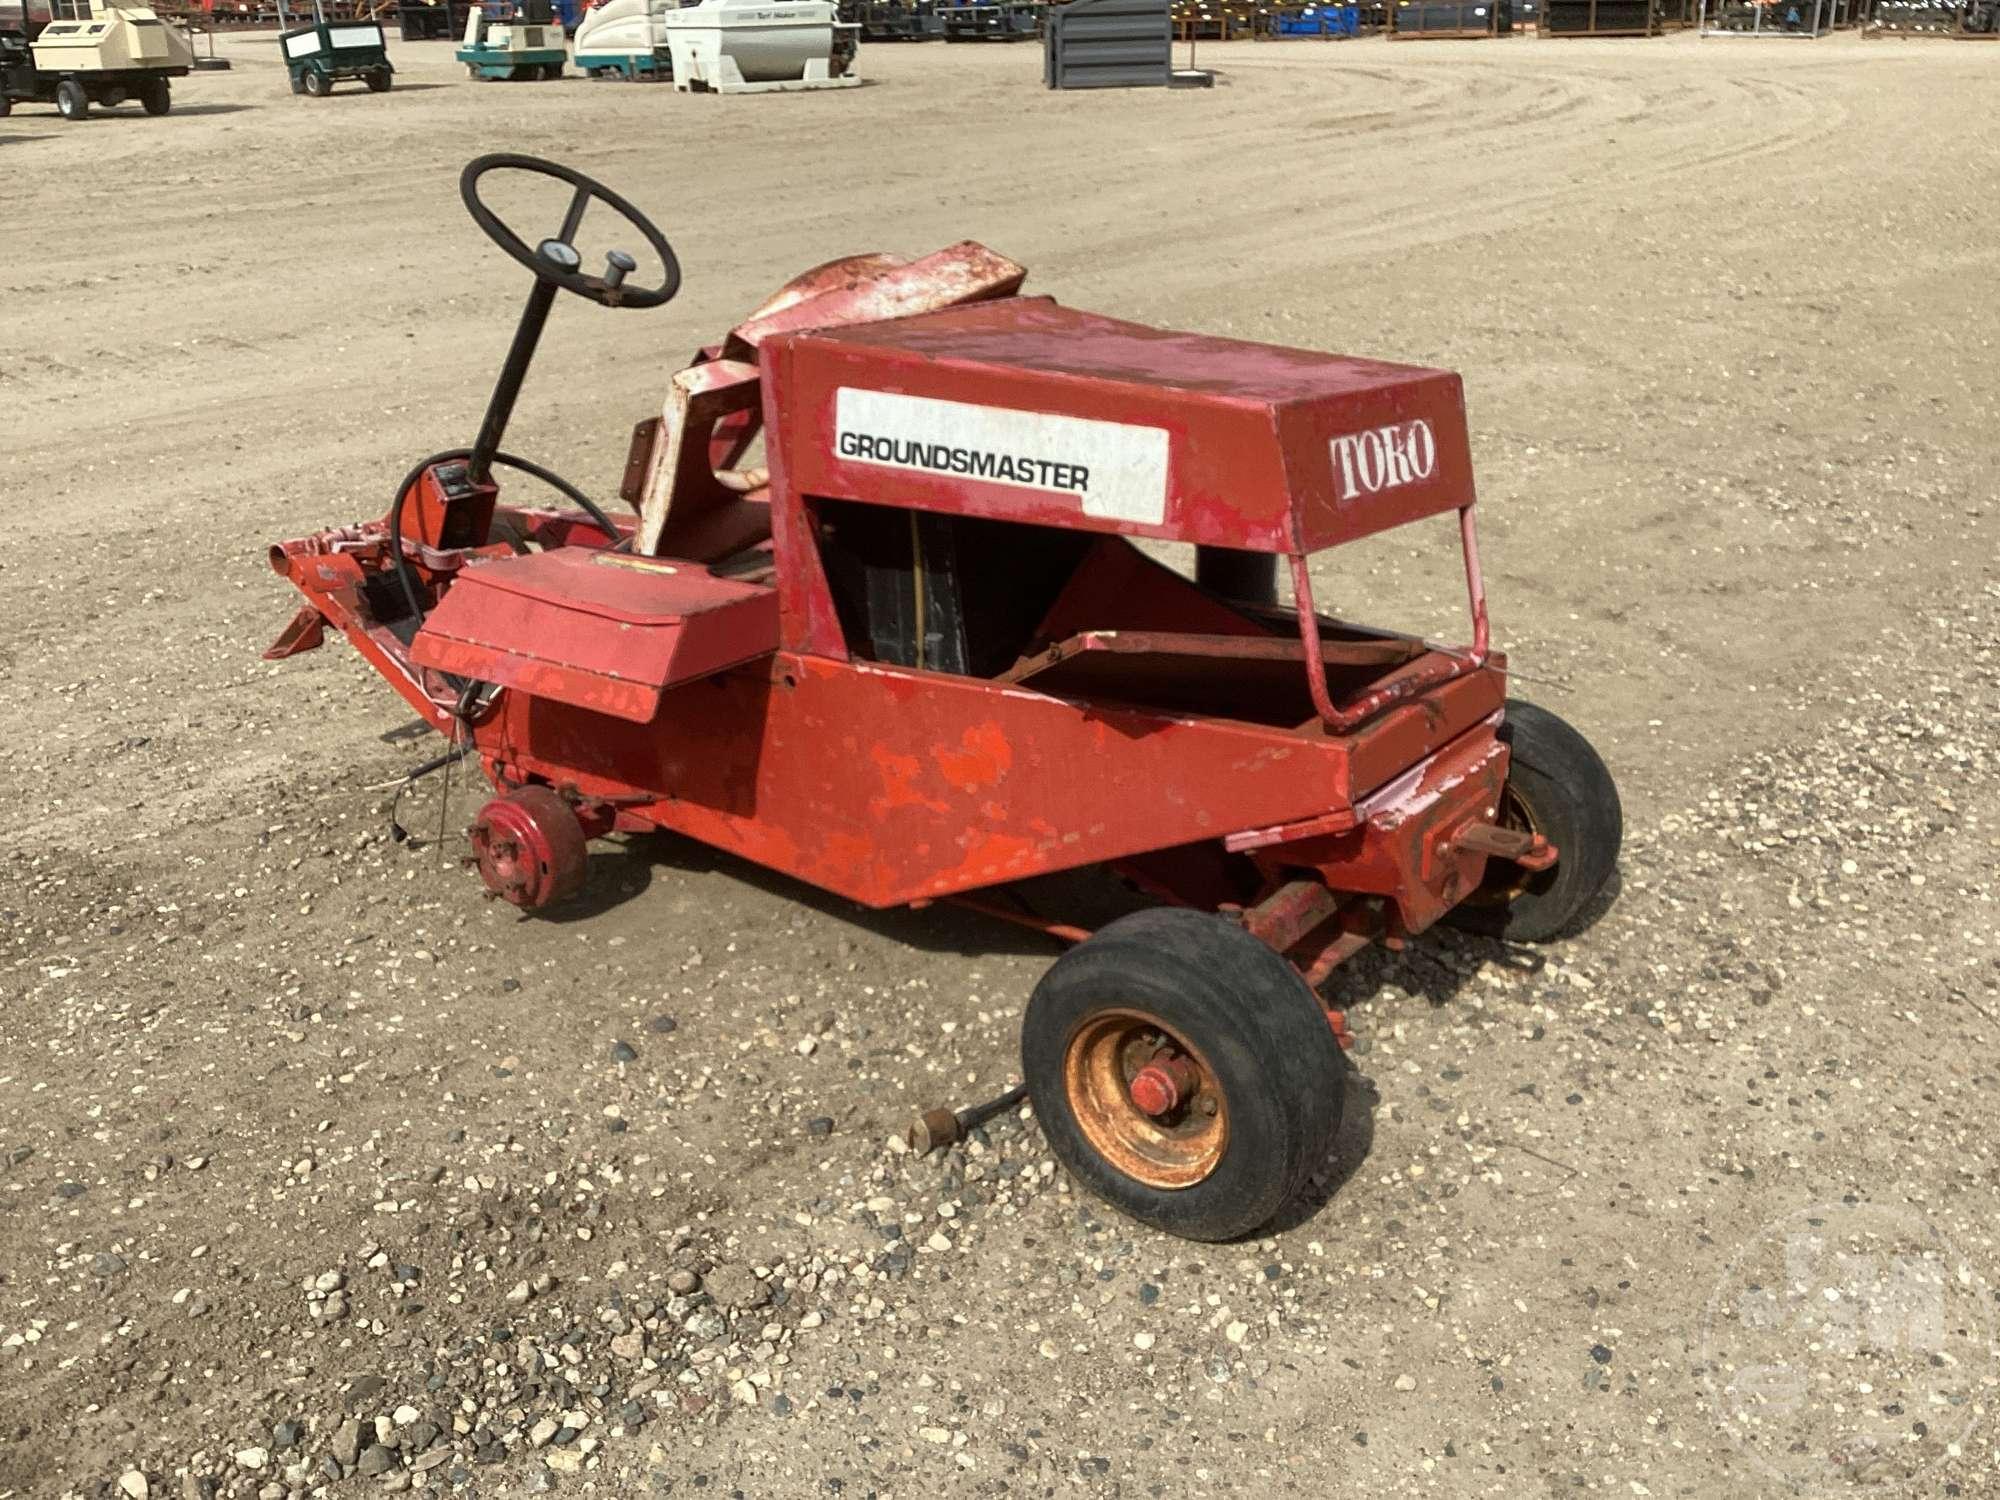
column 321, row 1175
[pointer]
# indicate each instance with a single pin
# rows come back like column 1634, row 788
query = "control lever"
column 617, row 266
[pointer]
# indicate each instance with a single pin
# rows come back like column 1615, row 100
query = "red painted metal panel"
column 598, row 630
column 1268, row 449
column 889, row 786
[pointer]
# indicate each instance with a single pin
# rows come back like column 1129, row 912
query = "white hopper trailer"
column 761, row 46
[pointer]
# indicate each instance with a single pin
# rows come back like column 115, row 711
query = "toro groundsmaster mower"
column 917, row 654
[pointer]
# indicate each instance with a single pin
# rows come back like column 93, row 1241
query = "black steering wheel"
column 555, row 260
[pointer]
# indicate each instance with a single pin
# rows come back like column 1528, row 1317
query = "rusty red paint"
column 1159, row 1087
column 1249, row 426
column 530, row 847
column 1336, row 784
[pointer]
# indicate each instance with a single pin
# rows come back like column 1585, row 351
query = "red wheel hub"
column 1158, row 1088
column 531, row 847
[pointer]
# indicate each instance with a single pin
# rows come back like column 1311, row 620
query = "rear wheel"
column 1557, row 786
column 157, row 96
column 318, row 84
column 378, row 81
column 552, row 71
column 6, row 106
column 72, row 103
column 1183, row 1072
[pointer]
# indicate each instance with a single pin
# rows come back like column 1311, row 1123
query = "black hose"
column 406, row 575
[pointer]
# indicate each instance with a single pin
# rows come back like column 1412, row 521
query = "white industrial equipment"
column 624, row 39
column 760, row 46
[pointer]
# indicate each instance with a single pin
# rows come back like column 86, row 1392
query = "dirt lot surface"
column 320, row 1174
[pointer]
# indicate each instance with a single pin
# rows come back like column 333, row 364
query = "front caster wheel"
column 1557, row 786
column 1183, row 1072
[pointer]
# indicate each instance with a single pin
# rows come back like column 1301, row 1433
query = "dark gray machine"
column 1109, row 44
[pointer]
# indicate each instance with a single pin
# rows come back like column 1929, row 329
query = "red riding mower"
column 919, row 654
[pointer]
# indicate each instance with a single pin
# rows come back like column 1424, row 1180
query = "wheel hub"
column 530, row 847
column 1146, row 1101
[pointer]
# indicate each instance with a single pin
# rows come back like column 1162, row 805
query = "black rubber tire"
column 378, row 80
column 552, row 72
column 1572, row 801
column 298, row 86
column 156, row 96
column 72, row 103
column 6, row 106
column 1247, row 1012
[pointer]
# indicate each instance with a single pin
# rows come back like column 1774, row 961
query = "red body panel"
column 1249, row 431
column 1200, row 746
column 597, row 630
column 890, row 785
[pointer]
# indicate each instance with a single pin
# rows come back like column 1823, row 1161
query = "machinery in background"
column 328, row 52
column 993, row 21
column 895, row 20
column 93, row 52
column 624, row 39
column 761, row 46
column 1450, row 18
column 431, row 20
column 527, row 43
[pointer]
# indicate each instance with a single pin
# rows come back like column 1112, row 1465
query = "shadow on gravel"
column 128, row 116
column 617, row 873
column 942, row 928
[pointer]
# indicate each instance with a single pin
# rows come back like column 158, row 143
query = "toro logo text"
column 1383, row 458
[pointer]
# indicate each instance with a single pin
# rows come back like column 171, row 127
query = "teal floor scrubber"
column 523, row 42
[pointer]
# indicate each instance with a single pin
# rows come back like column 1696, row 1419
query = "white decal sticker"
column 1116, row 470
column 1366, row 463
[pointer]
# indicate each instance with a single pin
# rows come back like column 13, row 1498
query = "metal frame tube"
column 1406, row 682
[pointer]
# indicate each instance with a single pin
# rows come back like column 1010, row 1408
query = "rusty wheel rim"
column 1173, row 1149
column 1506, row 881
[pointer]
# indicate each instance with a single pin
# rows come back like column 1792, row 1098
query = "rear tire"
column 1557, row 786
column 6, row 106
column 72, row 103
column 317, row 83
column 1267, row 1070
column 551, row 72
column 157, row 96
column 378, row 81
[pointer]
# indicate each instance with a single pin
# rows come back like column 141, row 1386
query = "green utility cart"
column 323, row 54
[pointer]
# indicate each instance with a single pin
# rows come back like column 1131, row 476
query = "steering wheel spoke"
column 567, row 272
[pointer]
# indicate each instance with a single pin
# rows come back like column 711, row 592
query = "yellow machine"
column 95, row 52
